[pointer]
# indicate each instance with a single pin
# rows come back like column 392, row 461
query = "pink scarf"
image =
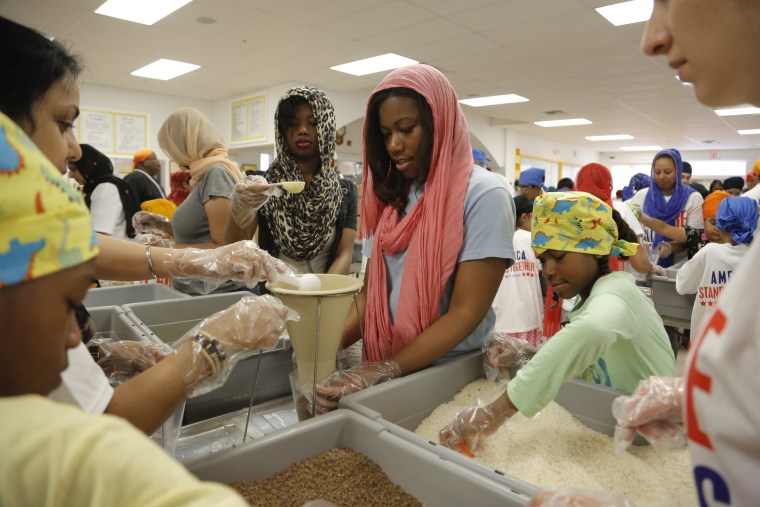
column 432, row 233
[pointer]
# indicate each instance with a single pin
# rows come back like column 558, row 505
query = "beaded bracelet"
column 150, row 261
column 212, row 350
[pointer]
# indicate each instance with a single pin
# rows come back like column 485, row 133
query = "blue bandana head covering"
column 655, row 204
column 738, row 216
column 638, row 181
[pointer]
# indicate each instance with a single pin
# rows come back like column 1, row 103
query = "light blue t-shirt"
column 489, row 225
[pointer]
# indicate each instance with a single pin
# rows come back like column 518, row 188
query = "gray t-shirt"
column 190, row 223
column 489, row 226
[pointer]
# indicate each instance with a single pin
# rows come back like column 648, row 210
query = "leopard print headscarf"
column 301, row 224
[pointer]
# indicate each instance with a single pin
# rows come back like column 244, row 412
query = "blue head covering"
column 655, row 204
column 738, row 215
column 638, row 181
column 533, row 177
column 480, row 156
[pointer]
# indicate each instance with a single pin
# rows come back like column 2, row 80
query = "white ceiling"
column 560, row 54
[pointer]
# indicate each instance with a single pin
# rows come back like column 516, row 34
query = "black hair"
column 32, row 64
column 565, row 183
column 686, row 167
column 287, row 112
column 93, row 164
column 390, row 186
column 714, row 184
column 624, row 233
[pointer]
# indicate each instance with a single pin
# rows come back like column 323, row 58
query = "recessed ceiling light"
column 737, row 111
column 749, row 132
column 145, row 12
column 617, row 137
column 165, row 69
column 641, row 148
column 626, row 13
column 563, row 123
column 380, row 63
column 493, row 100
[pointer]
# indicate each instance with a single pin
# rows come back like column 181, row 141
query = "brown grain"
column 342, row 476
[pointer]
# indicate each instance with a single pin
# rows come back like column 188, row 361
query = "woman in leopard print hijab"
column 300, row 226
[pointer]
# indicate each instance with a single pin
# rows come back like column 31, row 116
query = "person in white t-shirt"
column 707, row 273
column 669, row 200
column 518, row 303
column 713, row 45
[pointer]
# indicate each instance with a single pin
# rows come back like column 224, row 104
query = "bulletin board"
column 112, row 132
column 248, row 119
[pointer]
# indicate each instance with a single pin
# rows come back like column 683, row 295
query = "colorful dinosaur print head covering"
column 576, row 222
column 44, row 223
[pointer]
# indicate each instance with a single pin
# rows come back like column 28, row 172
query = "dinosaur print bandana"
column 576, row 222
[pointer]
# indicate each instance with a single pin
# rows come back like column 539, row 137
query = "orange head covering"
column 432, row 233
column 710, row 206
column 756, row 167
column 141, row 155
column 595, row 179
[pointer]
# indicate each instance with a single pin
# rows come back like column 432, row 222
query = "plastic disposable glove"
column 248, row 196
column 664, row 249
column 640, row 215
column 505, row 352
column 655, row 409
column 122, row 360
column 154, row 240
column 241, row 262
column 658, row 270
column 152, row 223
column 344, row 382
column 226, row 337
column 467, row 432
column 577, row 497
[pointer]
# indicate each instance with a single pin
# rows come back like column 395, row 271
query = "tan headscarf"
column 190, row 139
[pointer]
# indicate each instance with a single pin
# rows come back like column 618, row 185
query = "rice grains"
column 342, row 476
column 554, row 449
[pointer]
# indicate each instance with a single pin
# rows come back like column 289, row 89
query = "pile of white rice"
column 553, row 449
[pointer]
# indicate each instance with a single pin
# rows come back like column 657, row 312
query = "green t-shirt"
column 615, row 338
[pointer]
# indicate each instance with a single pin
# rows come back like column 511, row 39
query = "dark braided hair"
column 624, row 233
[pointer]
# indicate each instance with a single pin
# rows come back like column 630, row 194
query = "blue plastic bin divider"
column 167, row 321
column 431, row 478
column 125, row 294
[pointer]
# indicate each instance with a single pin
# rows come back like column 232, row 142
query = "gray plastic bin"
column 431, row 479
column 668, row 302
column 125, row 294
column 402, row 404
column 167, row 321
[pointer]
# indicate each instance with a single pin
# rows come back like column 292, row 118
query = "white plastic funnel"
column 316, row 336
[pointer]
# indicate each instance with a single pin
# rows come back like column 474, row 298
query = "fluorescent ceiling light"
column 626, row 13
column 563, row 123
column 145, row 12
column 737, row 111
column 641, row 148
column 380, row 63
column 493, row 100
column 749, row 132
column 620, row 137
column 165, row 69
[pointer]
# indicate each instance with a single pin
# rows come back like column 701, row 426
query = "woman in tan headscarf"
column 190, row 139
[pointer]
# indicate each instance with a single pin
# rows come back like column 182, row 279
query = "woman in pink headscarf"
column 438, row 235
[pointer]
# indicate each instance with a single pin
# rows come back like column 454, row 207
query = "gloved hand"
column 216, row 344
column 344, row 382
column 152, row 223
column 504, row 352
column 658, row 270
column 248, row 196
column 577, row 497
column 241, row 262
column 470, row 427
column 154, row 240
column 664, row 249
column 122, row 360
column 655, row 410
column 642, row 217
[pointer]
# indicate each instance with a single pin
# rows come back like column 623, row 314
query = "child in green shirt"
column 615, row 337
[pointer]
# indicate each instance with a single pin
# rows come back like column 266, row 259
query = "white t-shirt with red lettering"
column 518, row 303
column 723, row 393
column 706, row 274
